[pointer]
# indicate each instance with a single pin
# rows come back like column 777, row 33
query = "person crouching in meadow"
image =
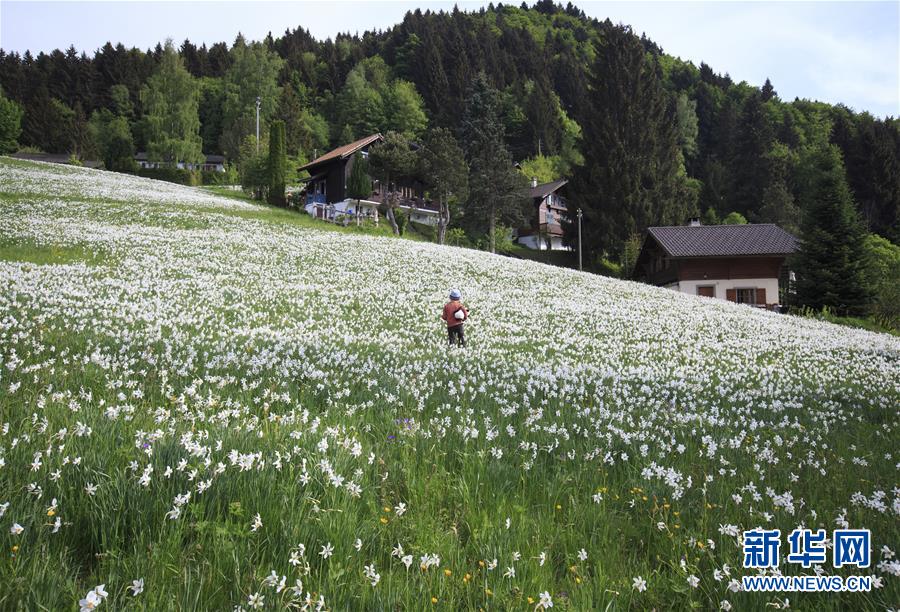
column 455, row 314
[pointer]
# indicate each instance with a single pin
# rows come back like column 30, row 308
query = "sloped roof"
column 343, row 152
column 542, row 191
column 724, row 240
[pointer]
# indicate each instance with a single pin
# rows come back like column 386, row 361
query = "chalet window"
column 746, row 295
column 707, row 291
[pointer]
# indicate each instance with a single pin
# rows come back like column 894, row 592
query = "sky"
column 837, row 52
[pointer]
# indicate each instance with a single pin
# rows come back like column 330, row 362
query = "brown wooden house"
column 326, row 187
column 545, row 231
column 738, row 263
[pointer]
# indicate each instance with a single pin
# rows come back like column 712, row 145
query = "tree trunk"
column 357, row 213
column 493, row 227
column 443, row 222
column 391, row 220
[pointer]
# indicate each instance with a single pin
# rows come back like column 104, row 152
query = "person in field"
column 455, row 314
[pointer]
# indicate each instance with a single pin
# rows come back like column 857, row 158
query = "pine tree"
column 277, row 163
column 629, row 180
column 444, row 170
column 170, row 100
column 544, row 119
column 831, row 262
column 750, row 170
column 497, row 192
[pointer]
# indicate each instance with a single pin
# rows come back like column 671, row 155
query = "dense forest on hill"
column 645, row 138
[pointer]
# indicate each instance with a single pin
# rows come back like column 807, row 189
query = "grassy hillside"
column 241, row 411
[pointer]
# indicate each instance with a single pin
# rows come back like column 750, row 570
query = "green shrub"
column 400, row 218
column 456, row 236
column 606, row 267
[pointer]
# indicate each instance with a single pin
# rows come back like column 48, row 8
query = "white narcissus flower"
column 90, row 602
column 137, row 586
column 327, row 550
column 693, row 581
column 639, row 584
column 545, row 600
column 255, row 601
column 16, row 529
column 582, row 555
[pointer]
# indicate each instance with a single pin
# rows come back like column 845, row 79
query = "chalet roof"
column 542, row 191
column 724, row 240
column 342, row 152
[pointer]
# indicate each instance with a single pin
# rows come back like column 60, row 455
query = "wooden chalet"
column 545, row 230
column 326, row 188
column 738, row 263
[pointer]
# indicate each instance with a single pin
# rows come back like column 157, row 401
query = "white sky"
column 845, row 52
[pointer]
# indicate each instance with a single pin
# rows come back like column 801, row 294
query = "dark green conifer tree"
column 277, row 163
column 831, row 263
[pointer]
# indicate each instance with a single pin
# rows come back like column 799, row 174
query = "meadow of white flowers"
column 207, row 409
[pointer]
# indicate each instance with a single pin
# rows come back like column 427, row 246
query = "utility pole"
column 579, row 240
column 258, row 101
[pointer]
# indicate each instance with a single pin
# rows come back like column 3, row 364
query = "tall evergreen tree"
column 170, row 101
column 831, row 263
column 444, row 170
column 497, row 191
column 751, row 172
column 630, row 176
column 277, row 163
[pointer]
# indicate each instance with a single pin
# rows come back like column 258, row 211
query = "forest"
column 644, row 138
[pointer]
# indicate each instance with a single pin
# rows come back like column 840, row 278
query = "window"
column 746, row 295
column 707, row 291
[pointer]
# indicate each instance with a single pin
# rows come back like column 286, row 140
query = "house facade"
column 326, row 188
column 739, row 263
column 545, row 228
column 212, row 163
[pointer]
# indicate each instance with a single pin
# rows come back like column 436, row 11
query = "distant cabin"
column 326, row 188
column 738, row 263
column 212, row 163
column 544, row 231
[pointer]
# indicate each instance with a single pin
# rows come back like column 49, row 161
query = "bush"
column 172, row 175
column 400, row 218
column 606, row 267
column 456, row 236
column 883, row 279
column 214, row 177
